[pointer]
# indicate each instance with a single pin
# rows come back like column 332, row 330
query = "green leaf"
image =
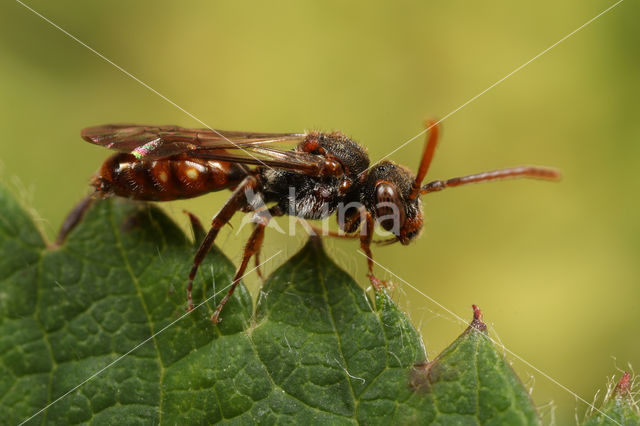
column 619, row 409
column 471, row 381
column 96, row 331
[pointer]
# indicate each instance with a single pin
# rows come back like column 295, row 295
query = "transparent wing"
column 155, row 142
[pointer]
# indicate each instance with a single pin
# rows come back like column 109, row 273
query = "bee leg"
column 74, row 217
column 366, row 237
column 256, row 258
column 251, row 248
column 236, row 201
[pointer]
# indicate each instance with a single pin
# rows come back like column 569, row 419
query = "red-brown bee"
column 323, row 174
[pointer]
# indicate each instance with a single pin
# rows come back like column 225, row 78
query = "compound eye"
column 389, row 208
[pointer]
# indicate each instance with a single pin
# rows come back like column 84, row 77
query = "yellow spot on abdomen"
column 192, row 173
column 163, row 177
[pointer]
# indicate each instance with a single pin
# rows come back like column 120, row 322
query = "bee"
column 309, row 175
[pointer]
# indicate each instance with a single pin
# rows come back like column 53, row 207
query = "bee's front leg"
column 366, row 237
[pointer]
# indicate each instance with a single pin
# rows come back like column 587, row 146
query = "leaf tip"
column 423, row 373
column 624, row 385
column 315, row 241
column 196, row 226
column 477, row 322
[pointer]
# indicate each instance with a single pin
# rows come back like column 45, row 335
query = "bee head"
column 387, row 197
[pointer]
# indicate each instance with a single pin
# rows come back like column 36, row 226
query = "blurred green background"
column 555, row 267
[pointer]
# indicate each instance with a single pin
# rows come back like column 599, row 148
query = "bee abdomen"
column 166, row 179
